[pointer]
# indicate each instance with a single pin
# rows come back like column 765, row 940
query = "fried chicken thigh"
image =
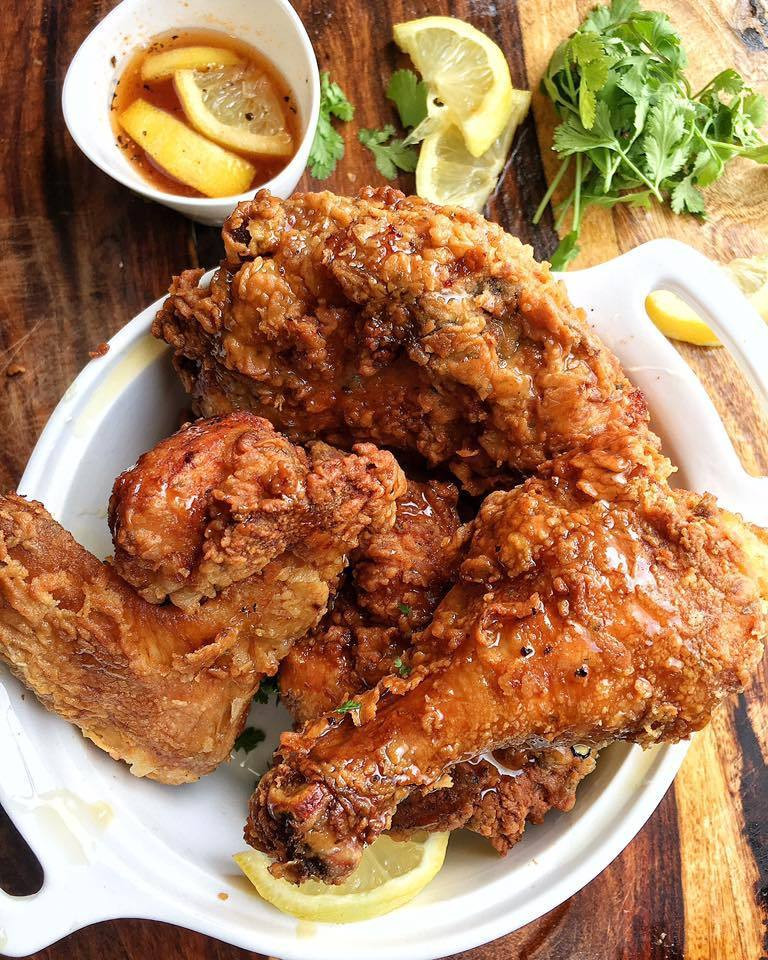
column 247, row 532
column 595, row 604
column 389, row 319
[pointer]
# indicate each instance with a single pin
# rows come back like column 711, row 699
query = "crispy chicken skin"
column 393, row 586
column 595, row 604
column 389, row 319
column 213, row 504
column 163, row 688
column 497, row 797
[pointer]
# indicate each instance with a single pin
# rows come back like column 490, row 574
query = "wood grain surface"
column 81, row 255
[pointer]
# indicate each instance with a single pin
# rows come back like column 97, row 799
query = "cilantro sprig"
column 632, row 129
column 328, row 146
column 409, row 95
column 391, row 153
column 249, row 739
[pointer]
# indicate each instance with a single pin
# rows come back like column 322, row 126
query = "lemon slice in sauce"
column 236, row 107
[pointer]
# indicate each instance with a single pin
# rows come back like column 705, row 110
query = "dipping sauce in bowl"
column 198, row 113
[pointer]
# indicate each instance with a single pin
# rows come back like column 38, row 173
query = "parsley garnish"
column 348, row 706
column 328, row 145
column 389, row 152
column 409, row 95
column 249, row 739
column 267, row 687
column 402, row 668
column 404, row 609
column 632, row 130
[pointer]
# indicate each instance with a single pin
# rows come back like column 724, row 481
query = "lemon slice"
column 448, row 173
column 677, row 320
column 161, row 66
column 235, row 107
column 390, row 874
column 751, row 276
column 184, row 154
column 466, row 70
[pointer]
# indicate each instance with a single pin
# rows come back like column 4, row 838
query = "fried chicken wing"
column 258, row 526
column 389, row 319
column 596, row 603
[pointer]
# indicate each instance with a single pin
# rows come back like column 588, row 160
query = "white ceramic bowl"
column 272, row 26
column 165, row 854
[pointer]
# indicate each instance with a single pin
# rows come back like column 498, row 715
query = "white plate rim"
column 662, row 262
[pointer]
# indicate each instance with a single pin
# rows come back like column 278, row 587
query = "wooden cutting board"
column 81, row 255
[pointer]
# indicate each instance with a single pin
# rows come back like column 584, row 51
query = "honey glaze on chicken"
column 422, row 328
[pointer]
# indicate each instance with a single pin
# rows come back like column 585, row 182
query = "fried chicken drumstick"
column 389, row 319
column 595, row 604
column 226, row 510
column 393, row 586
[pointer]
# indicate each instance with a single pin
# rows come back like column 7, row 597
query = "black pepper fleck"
column 249, row 116
column 547, row 650
column 527, row 652
column 582, row 671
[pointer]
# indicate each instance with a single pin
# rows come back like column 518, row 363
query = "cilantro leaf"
column 328, row 146
column 389, row 152
column 687, row 197
column 409, row 95
column 567, row 250
column 249, row 739
column 348, row 706
column 402, row 668
column 333, row 99
column 404, row 608
column 267, row 687
column 664, row 155
column 573, row 137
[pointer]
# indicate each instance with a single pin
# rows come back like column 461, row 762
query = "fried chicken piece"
column 163, row 688
column 496, row 797
column 395, row 580
column 595, row 604
column 213, row 504
column 394, row 584
column 387, row 318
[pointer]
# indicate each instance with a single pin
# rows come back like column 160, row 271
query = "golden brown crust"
column 221, row 498
column 389, row 319
column 496, row 798
column 164, row 688
column 395, row 580
column 595, row 604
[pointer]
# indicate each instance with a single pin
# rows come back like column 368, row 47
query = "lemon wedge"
column 677, row 320
column 751, row 276
column 466, row 70
column 236, row 108
column 390, row 874
column 161, row 66
column 448, row 173
column 184, row 154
